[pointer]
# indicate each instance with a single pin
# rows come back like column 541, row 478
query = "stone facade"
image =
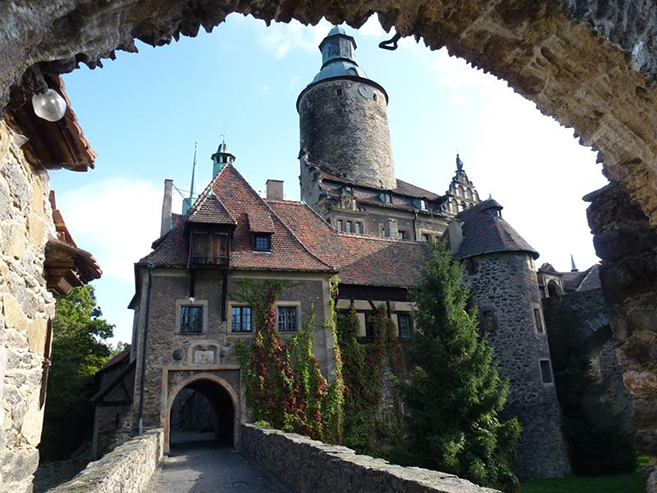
column 127, row 469
column 176, row 360
column 308, row 465
column 26, row 307
column 344, row 129
column 504, row 285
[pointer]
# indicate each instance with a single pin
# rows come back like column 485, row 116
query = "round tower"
column 343, row 117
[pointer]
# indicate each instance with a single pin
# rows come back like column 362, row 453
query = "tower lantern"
column 221, row 158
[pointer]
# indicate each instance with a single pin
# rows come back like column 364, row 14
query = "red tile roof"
column 241, row 203
column 360, row 260
column 209, row 210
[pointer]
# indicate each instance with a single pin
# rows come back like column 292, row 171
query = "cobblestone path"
column 204, row 467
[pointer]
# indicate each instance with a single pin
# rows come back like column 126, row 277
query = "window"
column 385, row 198
column 241, row 319
column 262, row 243
column 340, row 225
column 358, row 228
column 537, row 320
column 405, row 325
column 426, row 237
column 402, row 234
column 191, row 319
column 546, row 371
column 489, row 321
column 349, row 226
column 339, row 92
column 374, row 97
column 287, row 319
column 423, row 205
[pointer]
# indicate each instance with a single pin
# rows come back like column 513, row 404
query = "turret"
column 221, row 158
column 343, row 118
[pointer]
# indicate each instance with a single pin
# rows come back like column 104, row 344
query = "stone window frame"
column 411, row 326
column 484, row 323
column 540, row 371
column 187, row 302
column 537, row 306
column 229, row 320
column 290, row 304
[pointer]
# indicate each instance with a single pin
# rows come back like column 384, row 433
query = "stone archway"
column 224, row 406
column 553, row 289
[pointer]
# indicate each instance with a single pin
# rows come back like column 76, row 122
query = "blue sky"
column 143, row 113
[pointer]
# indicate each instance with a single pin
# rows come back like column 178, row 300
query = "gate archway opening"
column 202, row 413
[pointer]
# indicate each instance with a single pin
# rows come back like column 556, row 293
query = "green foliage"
column 79, row 350
column 598, row 444
column 454, row 394
column 284, row 385
column 369, row 430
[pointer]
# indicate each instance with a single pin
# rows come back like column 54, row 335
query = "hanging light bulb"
column 49, row 105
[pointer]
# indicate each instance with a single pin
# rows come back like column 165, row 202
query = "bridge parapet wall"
column 127, row 469
column 304, row 464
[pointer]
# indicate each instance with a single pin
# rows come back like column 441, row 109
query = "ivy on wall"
column 370, row 427
column 284, row 385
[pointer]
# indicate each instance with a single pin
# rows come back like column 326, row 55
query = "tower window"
column 488, row 317
column 262, row 242
column 340, row 225
column 349, row 226
column 537, row 320
column 358, row 228
column 374, row 96
column 546, row 371
column 339, row 92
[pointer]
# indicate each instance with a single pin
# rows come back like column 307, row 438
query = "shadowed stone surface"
column 206, row 467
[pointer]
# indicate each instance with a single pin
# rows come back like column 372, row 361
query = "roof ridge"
column 289, row 230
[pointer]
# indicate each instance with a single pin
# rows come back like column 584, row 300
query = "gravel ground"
column 205, row 467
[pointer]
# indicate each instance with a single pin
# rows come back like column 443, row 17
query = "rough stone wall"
column 627, row 245
column 127, row 469
column 113, row 424
column 25, row 307
column 590, row 306
column 347, row 134
column 506, row 284
column 308, row 465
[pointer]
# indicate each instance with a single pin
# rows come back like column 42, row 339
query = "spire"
column 573, row 267
column 187, row 203
column 222, row 157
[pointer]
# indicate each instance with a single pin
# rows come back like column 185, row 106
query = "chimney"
column 391, row 229
column 275, row 190
column 455, row 230
column 166, row 207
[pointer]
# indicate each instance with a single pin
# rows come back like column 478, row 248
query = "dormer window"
column 385, row 198
column 423, row 205
column 262, row 242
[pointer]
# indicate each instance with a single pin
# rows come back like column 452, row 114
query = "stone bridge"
column 268, row 461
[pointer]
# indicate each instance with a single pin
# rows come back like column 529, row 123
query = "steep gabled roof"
column 241, row 203
column 484, row 231
column 208, row 209
column 360, row 260
column 586, row 280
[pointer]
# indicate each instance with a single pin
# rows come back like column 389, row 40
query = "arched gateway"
column 202, row 408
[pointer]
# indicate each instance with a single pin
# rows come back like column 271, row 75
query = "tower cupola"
column 221, row 158
column 343, row 117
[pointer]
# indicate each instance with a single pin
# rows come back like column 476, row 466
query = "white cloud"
column 372, row 27
column 280, row 38
column 115, row 219
column 294, row 82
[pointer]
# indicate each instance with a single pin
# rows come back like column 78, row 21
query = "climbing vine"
column 284, row 384
column 370, row 427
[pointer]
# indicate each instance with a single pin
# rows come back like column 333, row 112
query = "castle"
column 354, row 219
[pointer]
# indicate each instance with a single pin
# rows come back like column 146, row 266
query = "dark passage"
column 202, row 412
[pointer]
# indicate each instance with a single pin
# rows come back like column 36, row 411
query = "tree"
column 454, row 393
column 79, row 350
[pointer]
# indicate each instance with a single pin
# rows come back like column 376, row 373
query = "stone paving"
column 206, row 467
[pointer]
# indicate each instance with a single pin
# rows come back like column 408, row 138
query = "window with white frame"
column 287, row 319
